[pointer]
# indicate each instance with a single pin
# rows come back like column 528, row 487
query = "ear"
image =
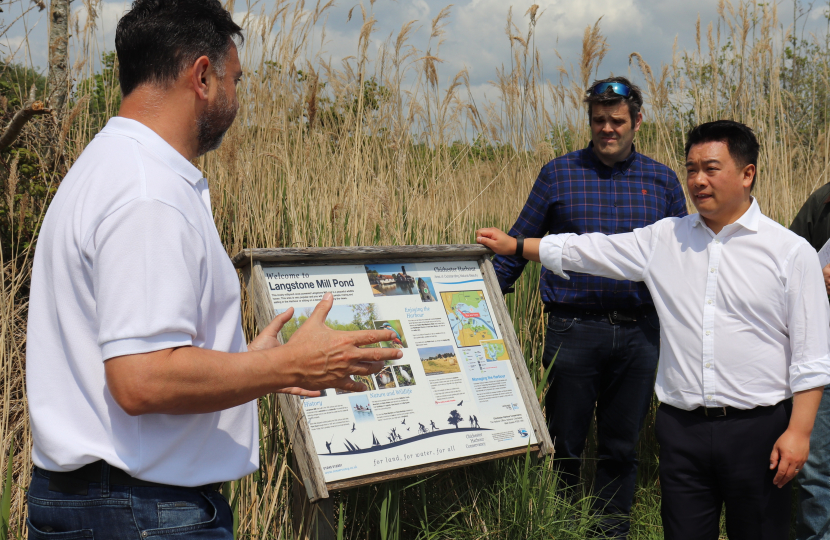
column 638, row 120
column 200, row 73
column 747, row 176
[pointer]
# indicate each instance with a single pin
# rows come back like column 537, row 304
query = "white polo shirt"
column 129, row 261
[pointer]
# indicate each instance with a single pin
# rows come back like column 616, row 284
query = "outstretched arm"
column 617, row 256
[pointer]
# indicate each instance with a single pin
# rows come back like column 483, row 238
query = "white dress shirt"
column 129, row 261
column 743, row 313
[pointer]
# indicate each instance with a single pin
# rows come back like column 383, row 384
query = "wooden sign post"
column 461, row 394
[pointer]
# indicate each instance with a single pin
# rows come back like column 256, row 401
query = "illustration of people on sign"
column 434, row 427
column 328, row 446
column 472, row 422
column 422, row 428
column 361, row 409
column 475, row 419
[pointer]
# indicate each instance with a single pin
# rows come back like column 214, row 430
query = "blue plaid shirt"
column 577, row 193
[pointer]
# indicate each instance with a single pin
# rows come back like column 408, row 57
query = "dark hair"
column 157, row 39
column 634, row 100
column 739, row 139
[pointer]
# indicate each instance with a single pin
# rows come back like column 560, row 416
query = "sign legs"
column 312, row 521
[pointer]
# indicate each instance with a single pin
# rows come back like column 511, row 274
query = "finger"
column 377, row 355
column 322, row 310
column 788, row 477
column 786, row 472
column 368, row 337
column 279, row 321
column 486, row 241
column 349, row 385
column 773, row 458
column 366, row 368
column 297, row 391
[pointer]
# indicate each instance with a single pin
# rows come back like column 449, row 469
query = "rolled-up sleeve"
column 550, row 252
column 808, row 321
column 148, row 267
column 616, row 256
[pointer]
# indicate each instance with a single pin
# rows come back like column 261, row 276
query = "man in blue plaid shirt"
column 603, row 333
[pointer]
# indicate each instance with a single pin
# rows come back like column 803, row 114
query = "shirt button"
column 709, row 397
column 707, row 365
column 717, row 241
column 708, row 333
column 712, row 270
column 709, row 301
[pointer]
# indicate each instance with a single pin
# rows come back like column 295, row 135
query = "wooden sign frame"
column 251, row 262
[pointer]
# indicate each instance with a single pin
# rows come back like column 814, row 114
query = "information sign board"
column 461, row 392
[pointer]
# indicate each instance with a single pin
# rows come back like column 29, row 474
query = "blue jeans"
column 813, row 517
column 610, row 367
column 121, row 512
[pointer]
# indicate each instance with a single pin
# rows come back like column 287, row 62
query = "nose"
column 695, row 179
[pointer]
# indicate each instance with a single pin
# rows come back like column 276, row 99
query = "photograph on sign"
column 450, row 396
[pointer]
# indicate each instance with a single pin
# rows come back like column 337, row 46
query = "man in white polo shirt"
column 141, row 388
column 744, row 354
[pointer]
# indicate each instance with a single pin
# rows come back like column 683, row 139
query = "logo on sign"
column 523, row 433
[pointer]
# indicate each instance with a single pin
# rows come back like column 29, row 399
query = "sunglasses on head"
column 620, row 89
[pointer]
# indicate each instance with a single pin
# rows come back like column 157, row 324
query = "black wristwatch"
column 520, row 245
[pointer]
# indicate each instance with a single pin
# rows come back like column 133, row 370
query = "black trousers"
column 706, row 462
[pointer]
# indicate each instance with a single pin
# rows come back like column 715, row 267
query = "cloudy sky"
column 475, row 32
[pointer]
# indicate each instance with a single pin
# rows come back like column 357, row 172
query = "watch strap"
column 520, row 246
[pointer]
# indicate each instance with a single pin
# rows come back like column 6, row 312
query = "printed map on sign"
column 469, row 317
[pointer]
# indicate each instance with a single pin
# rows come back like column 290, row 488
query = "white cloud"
column 475, row 36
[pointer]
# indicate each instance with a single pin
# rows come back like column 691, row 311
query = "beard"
column 214, row 122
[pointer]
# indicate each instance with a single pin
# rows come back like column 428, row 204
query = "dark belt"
column 613, row 316
column 721, row 412
column 77, row 482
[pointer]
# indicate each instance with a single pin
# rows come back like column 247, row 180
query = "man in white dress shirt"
column 744, row 354
column 141, row 389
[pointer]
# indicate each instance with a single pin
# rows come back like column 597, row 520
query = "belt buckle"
column 613, row 318
column 721, row 412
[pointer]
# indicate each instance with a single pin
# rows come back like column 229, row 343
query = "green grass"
column 5, row 498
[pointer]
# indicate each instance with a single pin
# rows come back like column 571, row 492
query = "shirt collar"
column 126, row 127
column 749, row 220
column 622, row 165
